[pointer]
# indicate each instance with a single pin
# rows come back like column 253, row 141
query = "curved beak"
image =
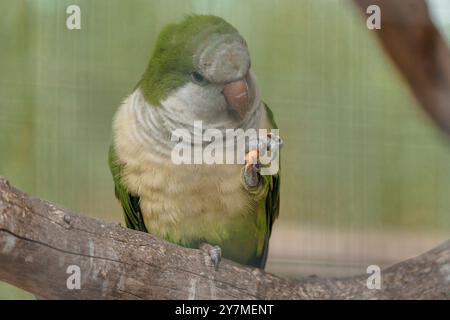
column 237, row 95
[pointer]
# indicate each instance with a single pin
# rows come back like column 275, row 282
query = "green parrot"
column 199, row 71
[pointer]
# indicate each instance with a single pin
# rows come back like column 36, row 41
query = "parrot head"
column 200, row 68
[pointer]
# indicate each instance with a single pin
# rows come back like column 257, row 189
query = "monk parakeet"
column 199, row 71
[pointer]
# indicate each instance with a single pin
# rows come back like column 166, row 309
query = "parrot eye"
column 198, row 78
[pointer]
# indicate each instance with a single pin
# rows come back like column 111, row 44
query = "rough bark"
column 417, row 48
column 39, row 240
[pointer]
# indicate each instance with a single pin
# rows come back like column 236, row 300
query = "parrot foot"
column 214, row 252
column 274, row 144
column 251, row 169
column 257, row 149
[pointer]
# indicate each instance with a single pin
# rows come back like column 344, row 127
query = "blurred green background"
column 359, row 154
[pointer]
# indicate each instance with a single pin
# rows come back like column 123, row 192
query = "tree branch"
column 417, row 48
column 39, row 240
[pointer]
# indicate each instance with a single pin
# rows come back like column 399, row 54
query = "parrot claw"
column 256, row 149
column 275, row 144
column 214, row 252
column 216, row 255
column 251, row 169
column 272, row 143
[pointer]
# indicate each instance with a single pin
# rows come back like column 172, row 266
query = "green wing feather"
column 273, row 198
column 129, row 202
